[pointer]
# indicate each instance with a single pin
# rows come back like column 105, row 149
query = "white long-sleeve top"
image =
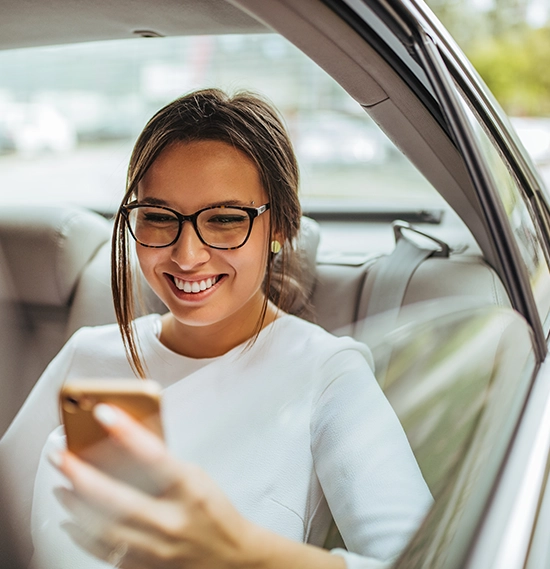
column 294, row 429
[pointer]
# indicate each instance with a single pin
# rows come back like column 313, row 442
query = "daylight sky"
column 538, row 12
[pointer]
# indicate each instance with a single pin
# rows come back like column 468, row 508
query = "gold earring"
column 275, row 247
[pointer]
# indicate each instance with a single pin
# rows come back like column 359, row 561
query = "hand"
column 191, row 525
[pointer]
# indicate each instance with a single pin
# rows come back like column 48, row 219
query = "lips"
column 195, row 286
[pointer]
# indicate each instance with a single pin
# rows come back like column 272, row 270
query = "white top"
column 292, row 429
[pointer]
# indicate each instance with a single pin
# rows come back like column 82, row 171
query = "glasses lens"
column 153, row 226
column 224, row 227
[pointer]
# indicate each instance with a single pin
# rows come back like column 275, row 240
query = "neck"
column 216, row 339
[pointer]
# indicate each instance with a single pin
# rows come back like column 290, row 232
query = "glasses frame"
column 253, row 213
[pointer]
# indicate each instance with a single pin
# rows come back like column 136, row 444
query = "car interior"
column 70, row 249
column 436, row 290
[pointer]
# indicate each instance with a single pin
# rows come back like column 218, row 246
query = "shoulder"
column 300, row 337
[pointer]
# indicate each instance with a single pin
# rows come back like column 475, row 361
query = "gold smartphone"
column 87, row 438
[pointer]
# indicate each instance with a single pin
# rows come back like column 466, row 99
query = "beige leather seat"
column 45, row 252
column 12, row 355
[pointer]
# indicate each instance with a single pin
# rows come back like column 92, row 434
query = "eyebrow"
column 158, row 201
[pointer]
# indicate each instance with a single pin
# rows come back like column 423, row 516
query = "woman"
column 272, row 425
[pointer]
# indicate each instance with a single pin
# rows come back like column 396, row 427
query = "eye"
column 226, row 219
column 157, row 218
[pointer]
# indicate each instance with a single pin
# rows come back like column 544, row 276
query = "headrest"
column 306, row 245
column 46, row 249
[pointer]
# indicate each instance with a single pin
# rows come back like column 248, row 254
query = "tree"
column 514, row 67
column 510, row 55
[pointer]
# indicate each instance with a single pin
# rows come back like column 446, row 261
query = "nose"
column 189, row 251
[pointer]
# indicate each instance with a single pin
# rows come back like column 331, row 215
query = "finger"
column 94, row 521
column 116, row 554
column 115, row 501
column 123, row 547
column 88, row 517
column 144, row 446
column 102, row 492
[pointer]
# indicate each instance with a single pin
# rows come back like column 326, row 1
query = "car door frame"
column 507, row 528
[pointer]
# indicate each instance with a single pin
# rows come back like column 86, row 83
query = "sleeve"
column 22, row 444
column 366, row 468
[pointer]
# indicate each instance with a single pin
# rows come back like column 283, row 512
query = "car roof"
column 31, row 23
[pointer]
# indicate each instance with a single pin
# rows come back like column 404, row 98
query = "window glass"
column 508, row 42
column 70, row 114
column 520, row 214
column 457, row 380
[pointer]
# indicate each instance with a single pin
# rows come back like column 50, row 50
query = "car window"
column 458, row 382
column 519, row 210
column 69, row 116
column 539, row 552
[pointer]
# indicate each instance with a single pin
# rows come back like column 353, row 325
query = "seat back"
column 437, row 285
column 12, row 336
column 45, row 250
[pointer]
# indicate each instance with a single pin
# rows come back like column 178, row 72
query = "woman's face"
column 188, row 177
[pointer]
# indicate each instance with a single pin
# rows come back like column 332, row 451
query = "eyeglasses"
column 219, row 227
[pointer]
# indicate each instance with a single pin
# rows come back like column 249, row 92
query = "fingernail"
column 105, row 415
column 56, row 459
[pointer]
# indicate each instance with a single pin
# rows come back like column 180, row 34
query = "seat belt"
column 388, row 286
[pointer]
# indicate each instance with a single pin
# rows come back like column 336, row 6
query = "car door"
column 515, row 211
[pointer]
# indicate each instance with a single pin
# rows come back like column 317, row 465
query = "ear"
column 276, row 242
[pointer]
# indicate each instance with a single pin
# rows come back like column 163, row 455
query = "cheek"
column 147, row 259
column 251, row 262
column 263, row 256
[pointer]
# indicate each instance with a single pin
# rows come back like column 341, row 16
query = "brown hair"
column 253, row 126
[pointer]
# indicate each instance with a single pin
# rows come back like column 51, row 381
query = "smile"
column 195, row 286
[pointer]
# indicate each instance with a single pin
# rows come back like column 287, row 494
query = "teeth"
column 195, row 286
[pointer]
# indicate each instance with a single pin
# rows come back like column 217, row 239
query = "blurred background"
column 69, row 115
column 508, row 41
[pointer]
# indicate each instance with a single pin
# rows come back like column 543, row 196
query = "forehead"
column 197, row 174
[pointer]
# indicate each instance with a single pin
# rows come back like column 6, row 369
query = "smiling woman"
column 273, row 426
column 276, row 443
column 206, row 150
column 208, row 322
